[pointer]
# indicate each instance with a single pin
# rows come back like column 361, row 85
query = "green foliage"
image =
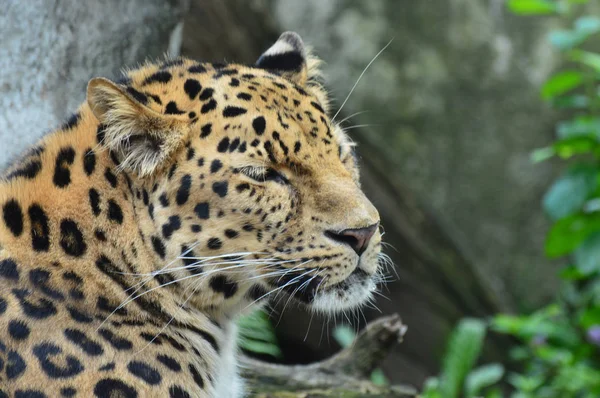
column 558, row 347
column 483, row 377
column 257, row 334
column 533, row 7
column 561, row 83
column 570, row 192
column 462, row 352
column 582, row 29
column 458, row 378
column 344, row 335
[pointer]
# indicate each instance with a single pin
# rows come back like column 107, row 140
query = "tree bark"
column 346, row 374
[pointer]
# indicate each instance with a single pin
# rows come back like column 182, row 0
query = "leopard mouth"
column 350, row 293
column 308, row 290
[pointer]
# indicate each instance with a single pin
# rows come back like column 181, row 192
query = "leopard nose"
column 357, row 238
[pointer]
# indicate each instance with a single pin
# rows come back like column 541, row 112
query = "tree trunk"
column 346, row 374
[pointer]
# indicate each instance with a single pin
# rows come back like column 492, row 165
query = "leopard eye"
column 264, row 174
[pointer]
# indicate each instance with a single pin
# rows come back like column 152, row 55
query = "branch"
column 346, row 374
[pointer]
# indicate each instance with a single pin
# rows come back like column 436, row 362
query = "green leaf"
column 256, row 334
column 547, row 322
column 577, row 101
column 581, row 125
column 553, row 355
column 495, row 393
column 590, row 317
column 532, row 7
column 569, row 146
column 483, row 377
column 588, row 25
column 568, row 194
column 561, row 83
column 577, row 379
column 586, row 58
column 344, row 335
column 572, row 146
column 572, row 273
column 526, row 383
column 260, row 347
column 569, row 39
column 507, row 323
column 593, row 204
column 519, row 353
column 378, row 378
column 587, row 255
column 568, row 233
column 431, row 388
column 463, row 349
column 542, row 154
column 566, row 39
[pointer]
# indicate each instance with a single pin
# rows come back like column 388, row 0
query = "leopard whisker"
column 262, row 276
column 351, row 116
column 237, row 254
column 306, row 283
column 288, row 271
column 360, row 77
column 382, row 295
column 356, row 126
column 200, row 277
column 203, row 275
column 312, row 314
column 387, row 263
column 167, row 324
column 280, row 287
column 141, row 285
column 203, row 264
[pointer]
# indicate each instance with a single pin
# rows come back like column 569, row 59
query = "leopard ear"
column 287, row 57
column 142, row 138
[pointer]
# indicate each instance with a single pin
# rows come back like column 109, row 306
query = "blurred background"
column 446, row 119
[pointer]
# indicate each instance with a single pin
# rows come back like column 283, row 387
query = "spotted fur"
column 171, row 202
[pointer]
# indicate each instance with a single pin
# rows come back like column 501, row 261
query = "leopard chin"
column 353, row 292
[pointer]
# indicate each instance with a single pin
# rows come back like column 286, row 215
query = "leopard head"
column 249, row 188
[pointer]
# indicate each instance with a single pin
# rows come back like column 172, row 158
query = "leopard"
column 176, row 199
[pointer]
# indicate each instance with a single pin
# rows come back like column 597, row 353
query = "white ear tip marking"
column 287, row 42
column 280, row 47
column 293, row 39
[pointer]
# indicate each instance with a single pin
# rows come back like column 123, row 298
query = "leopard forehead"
column 242, row 109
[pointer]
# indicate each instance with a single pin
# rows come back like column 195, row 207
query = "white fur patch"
column 228, row 383
column 358, row 293
column 280, row 47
